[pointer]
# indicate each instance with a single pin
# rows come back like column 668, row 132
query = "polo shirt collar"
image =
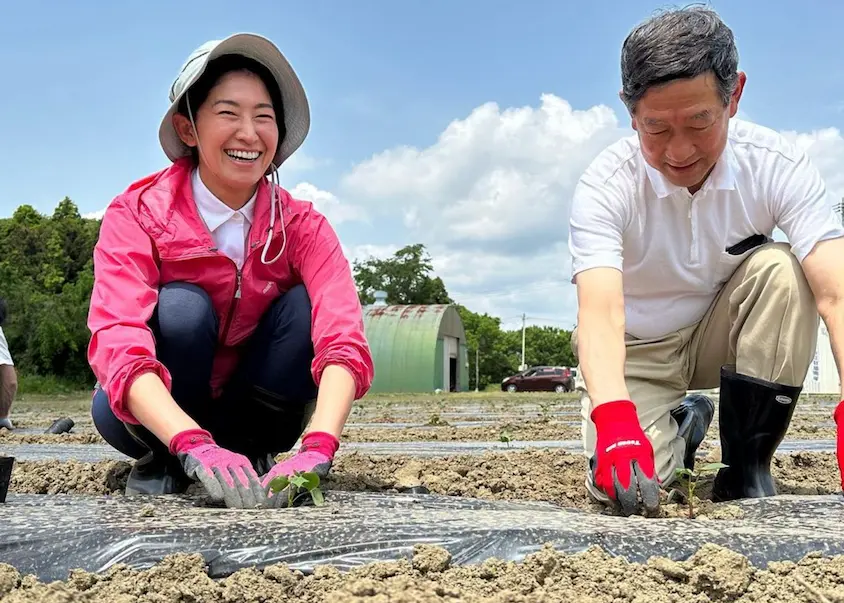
column 722, row 177
column 213, row 211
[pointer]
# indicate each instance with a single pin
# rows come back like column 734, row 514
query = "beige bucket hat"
column 297, row 117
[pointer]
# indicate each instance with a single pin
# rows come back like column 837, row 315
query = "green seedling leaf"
column 712, row 467
column 299, row 480
column 311, row 480
column 316, row 495
column 683, row 473
column 277, row 484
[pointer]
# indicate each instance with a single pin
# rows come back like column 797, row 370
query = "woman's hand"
column 316, row 455
column 226, row 475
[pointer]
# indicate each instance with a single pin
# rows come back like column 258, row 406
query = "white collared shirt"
column 229, row 228
column 672, row 246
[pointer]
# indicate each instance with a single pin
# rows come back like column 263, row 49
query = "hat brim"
column 297, row 116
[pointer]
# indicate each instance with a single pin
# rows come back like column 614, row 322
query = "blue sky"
column 85, row 85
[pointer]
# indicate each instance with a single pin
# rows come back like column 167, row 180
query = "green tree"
column 46, row 276
column 405, row 277
column 484, row 335
column 547, row 345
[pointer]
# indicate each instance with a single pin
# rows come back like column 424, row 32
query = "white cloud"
column 825, row 147
column 328, row 204
column 490, row 200
column 496, row 177
column 301, row 162
column 95, row 215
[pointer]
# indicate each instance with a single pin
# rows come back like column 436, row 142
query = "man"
column 680, row 285
column 8, row 377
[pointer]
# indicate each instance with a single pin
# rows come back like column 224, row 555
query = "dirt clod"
column 428, row 559
column 10, row 578
column 720, row 573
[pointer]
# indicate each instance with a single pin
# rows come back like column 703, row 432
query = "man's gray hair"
column 676, row 44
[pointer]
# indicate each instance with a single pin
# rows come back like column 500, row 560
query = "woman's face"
column 238, row 136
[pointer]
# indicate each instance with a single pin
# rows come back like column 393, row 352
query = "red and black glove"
column 623, row 465
column 838, row 416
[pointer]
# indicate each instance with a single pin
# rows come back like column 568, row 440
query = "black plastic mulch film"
column 49, row 535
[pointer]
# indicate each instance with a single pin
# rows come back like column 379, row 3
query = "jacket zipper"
column 237, row 291
column 232, row 305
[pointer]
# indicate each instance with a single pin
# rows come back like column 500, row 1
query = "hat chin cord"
column 274, row 186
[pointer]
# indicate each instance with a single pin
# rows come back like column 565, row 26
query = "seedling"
column 436, row 421
column 299, row 481
column 505, row 436
column 689, row 478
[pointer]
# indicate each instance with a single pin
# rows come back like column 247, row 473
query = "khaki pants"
column 764, row 320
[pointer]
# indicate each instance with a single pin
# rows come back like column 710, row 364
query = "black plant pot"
column 6, row 463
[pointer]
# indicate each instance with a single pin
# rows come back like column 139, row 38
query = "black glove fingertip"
column 628, row 498
column 648, row 488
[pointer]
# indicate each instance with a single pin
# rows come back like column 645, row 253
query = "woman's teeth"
column 244, row 155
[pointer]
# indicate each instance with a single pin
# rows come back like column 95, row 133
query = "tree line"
column 47, row 273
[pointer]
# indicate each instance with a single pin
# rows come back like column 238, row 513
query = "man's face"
column 682, row 128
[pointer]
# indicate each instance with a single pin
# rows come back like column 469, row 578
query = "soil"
column 545, row 475
column 554, row 419
column 551, row 475
column 712, row 574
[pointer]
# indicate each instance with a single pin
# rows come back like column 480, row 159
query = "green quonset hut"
column 419, row 348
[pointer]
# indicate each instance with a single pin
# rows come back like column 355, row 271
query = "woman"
column 224, row 316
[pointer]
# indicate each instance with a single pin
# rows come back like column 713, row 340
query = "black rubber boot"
column 158, row 472
column 754, row 415
column 694, row 416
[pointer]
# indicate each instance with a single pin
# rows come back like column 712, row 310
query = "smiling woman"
column 225, row 321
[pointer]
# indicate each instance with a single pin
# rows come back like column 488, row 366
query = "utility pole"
column 523, row 367
column 477, row 347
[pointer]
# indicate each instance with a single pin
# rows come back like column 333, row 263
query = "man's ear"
column 736, row 96
column 630, row 113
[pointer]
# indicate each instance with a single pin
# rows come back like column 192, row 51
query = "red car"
column 541, row 379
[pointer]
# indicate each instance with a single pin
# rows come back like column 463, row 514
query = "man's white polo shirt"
column 672, row 246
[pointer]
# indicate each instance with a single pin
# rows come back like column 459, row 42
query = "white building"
column 822, row 377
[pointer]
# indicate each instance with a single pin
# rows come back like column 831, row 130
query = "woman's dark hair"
column 3, row 310
column 215, row 70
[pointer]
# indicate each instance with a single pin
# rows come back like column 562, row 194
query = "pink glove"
column 226, row 475
column 314, row 456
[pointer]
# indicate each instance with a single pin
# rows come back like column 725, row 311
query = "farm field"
column 460, row 497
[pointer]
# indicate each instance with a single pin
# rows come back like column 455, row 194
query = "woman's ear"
column 184, row 128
